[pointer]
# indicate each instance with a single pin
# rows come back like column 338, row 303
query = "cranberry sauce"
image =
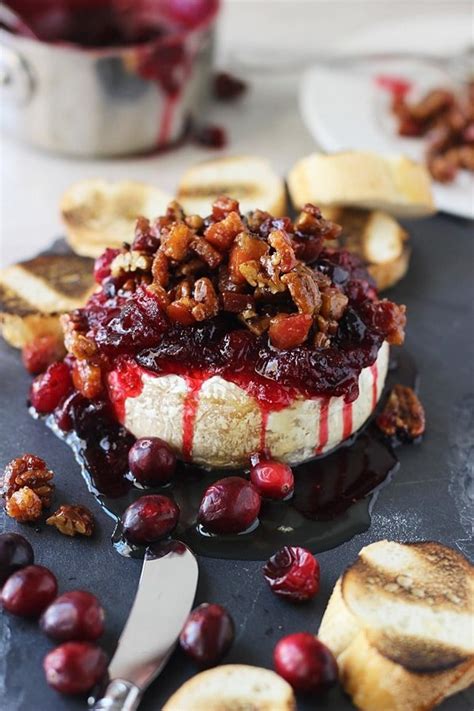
column 332, row 499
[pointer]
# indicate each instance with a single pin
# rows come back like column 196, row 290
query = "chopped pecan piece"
column 160, row 269
column 289, row 330
column 333, row 303
column 207, row 303
column 245, row 249
column 207, row 252
column 195, row 222
column 28, row 471
column 131, row 261
column 175, row 243
column 222, row 234
column 181, row 312
column 24, row 505
column 256, row 324
column 303, row 289
column 284, row 255
column 403, row 415
column 87, row 378
column 77, row 343
column 321, row 340
column 224, row 205
column 72, row 520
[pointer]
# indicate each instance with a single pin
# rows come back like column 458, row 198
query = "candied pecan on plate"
column 27, row 487
column 403, row 416
column 71, row 520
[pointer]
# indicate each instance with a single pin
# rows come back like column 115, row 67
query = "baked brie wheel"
column 231, row 336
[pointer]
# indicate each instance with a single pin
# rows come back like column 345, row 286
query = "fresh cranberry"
column 41, row 352
column 49, row 389
column 305, row 662
column 293, row 573
column 76, row 615
column 272, row 479
column 211, row 136
column 152, row 461
column 207, row 634
column 29, row 591
column 75, row 667
column 102, row 264
column 228, row 87
column 229, row 505
column 63, row 413
column 150, row 518
column 15, row 553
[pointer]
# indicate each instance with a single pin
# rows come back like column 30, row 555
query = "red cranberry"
column 41, row 352
column 211, row 136
column 227, row 87
column 75, row 667
column 75, row 615
column 102, row 264
column 152, row 461
column 229, row 505
column 272, row 479
column 29, row 591
column 49, row 389
column 293, row 573
column 149, row 519
column 15, row 553
column 305, row 662
column 207, row 634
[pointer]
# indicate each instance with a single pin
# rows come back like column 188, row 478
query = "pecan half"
column 207, row 303
column 303, row 289
column 403, row 415
column 72, row 520
column 31, row 472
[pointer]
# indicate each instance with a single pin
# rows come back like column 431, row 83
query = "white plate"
column 347, row 109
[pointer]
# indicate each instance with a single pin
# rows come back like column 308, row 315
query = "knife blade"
column 163, row 601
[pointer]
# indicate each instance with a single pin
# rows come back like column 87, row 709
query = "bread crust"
column 379, row 661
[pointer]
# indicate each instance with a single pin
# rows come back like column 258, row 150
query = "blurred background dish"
column 347, row 108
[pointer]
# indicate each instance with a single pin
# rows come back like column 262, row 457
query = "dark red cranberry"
column 293, row 573
column 305, row 662
column 150, row 518
column 76, row 615
column 29, row 591
column 49, row 389
column 15, row 553
column 102, row 264
column 63, row 413
column 207, row 634
column 272, row 479
column 230, row 505
column 41, row 352
column 152, row 461
column 211, row 136
column 228, row 87
column 75, row 667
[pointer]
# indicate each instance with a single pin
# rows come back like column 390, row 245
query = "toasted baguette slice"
column 34, row 293
column 233, row 687
column 357, row 179
column 401, row 623
column 248, row 179
column 377, row 238
column 99, row 214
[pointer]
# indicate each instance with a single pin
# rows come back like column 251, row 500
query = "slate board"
column 428, row 499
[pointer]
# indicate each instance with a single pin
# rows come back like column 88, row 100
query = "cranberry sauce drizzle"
column 332, row 500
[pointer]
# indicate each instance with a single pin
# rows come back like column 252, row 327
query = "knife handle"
column 120, row 695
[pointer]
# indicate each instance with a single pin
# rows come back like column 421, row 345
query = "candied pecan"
column 75, row 340
column 207, row 302
column 222, row 206
column 87, row 378
column 161, row 295
column 388, row 319
column 432, row 104
column 333, row 303
column 207, row 252
column 183, row 290
column 303, row 289
column 72, row 520
column 403, row 415
column 24, row 505
column 442, row 168
column 190, row 268
column 175, row 242
column 236, row 303
column 256, row 324
column 289, row 330
column 256, row 219
column 284, row 255
column 321, row 340
column 245, row 249
column 310, row 221
column 222, row 234
column 28, row 471
column 181, row 312
column 131, row 261
column 174, row 212
column 322, row 280
column 160, row 269
column 195, row 222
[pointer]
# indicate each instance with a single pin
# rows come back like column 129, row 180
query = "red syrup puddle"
column 333, row 498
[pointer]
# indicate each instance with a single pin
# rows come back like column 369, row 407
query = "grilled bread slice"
column 233, row 687
column 248, row 179
column 377, row 238
column 35, row 292
column 401, row 623
column 99, row 214
column 358, row 179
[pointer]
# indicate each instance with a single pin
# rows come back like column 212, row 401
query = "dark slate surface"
column 429, row 498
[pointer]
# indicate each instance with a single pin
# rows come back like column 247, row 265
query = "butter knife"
column 163, row 601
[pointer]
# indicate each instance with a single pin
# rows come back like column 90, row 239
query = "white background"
column 266, row 122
